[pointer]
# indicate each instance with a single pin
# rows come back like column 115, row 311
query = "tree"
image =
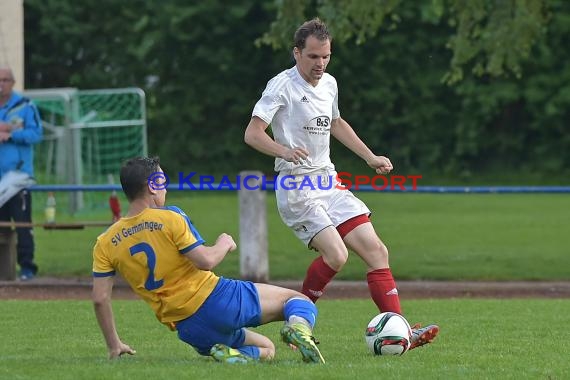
column 202, row 73
column 488, row 37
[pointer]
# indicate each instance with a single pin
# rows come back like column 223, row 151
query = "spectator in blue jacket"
column 20, row 129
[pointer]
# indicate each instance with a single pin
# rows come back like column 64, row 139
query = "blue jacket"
column 17, row 152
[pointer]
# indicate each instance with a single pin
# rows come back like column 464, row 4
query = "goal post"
column 87, row 135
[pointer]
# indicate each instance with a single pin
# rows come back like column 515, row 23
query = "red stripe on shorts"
column 345, row 227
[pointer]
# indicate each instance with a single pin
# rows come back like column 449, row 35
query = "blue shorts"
column 232, row 306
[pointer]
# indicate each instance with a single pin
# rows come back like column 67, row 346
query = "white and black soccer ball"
column 388, row 334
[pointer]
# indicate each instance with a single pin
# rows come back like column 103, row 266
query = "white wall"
column 12, row 38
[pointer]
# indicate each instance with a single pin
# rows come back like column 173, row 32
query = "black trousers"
column 19, row 209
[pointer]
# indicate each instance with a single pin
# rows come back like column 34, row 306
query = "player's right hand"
column 296, row 155
column 116, row 352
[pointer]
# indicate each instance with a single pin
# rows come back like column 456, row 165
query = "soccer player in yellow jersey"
column 164, row 259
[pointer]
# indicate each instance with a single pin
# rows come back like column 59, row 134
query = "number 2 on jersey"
column 151, row 283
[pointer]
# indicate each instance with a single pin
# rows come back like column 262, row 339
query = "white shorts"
column 309, row 204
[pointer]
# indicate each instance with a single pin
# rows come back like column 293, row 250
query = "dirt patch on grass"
column 47, row 288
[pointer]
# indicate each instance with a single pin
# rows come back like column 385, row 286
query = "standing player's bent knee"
column 336, row 262
column 335, row 258
column 375, row 245
column 382, row 249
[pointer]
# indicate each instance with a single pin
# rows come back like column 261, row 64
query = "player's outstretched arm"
column 101, row 296
column 206, row 258
column 344, row 133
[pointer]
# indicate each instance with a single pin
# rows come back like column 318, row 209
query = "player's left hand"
column 120, row 350
column 381, row 164
column 5, row 127
column 5, row 136
column 227, row 240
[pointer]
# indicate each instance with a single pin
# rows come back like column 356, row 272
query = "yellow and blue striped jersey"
column 148, row 251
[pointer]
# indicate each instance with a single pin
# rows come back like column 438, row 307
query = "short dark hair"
column 315, row 28
column 135, row 174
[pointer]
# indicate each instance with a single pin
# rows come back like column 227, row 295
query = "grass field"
column 479, row 339
column 430, row 236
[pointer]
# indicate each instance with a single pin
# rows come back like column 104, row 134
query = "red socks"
column 318, row 276
column 380, row 282
column 383, row 290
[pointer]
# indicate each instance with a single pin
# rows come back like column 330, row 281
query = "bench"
column 8, row 240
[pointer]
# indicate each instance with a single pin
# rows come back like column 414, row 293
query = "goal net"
column 87, row 134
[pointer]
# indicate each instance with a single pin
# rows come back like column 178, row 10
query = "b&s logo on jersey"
column 320, row 126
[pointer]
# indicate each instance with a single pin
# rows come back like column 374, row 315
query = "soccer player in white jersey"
column 301, row 105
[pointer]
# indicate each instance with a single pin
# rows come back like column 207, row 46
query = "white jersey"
column 300, row 116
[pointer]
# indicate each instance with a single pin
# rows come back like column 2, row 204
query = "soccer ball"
column 388, row 334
